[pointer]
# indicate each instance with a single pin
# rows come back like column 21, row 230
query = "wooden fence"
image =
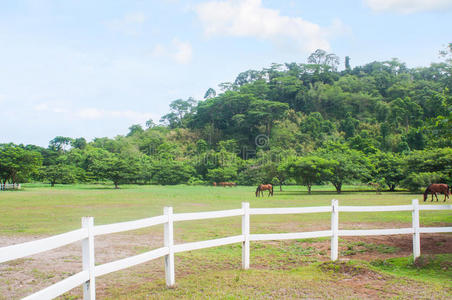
column 88, row 231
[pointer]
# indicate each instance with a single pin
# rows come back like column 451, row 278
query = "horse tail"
column 257, row 190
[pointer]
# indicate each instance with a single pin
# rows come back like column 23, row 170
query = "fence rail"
column 88, row 231
column 9, row 186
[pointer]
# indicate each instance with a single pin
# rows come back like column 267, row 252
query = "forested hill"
column 393, row 124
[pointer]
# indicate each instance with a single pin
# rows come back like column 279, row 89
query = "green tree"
column 350, row 165
column 321, row 57
column 222, row 174
column 309, row 170
column 17, row 164
column 79, row 143
column 60, row 143
column 210, row 93
column 389, row 167
column 119, row 168
column 180, row 109
column 169, row 172
column 60, row 173
column 135, row 129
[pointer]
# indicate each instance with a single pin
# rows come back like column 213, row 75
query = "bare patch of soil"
column 22, row 277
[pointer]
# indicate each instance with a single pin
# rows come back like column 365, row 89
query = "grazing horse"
column 435, row 188
column 214, row 184
column 225, row 184
column 263, row 187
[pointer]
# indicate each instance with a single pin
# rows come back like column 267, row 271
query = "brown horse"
column 264, row 187
column 435, row 188
column 225, row 184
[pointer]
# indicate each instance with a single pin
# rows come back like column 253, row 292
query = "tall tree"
column 309, row 170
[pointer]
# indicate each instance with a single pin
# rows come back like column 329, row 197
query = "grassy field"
column 369, row 267
column 38, row 209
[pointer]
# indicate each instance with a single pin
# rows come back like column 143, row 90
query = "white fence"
column 88, row 231
column 8, row 186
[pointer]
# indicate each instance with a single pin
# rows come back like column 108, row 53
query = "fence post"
column 89, row 287
column 334, row 229
column 246, row 236
column 169, row 242
column 416, row 233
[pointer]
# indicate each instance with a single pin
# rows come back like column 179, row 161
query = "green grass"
column 39, row 209
column 285, row 269
column 362, row 247
column 427, row 268
column 219, row 277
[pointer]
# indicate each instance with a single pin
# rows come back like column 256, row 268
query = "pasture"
column 371, row 267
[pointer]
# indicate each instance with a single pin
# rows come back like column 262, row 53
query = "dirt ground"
column 22, row 277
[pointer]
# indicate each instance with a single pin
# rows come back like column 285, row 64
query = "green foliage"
column 169, row 172
column 17, row 164
column 60, row 173
column 309, row 170
column 222, row 174
column 348, row 165
column 414, row 182
column 380, row 122
column 389, row 167
column 427, row 268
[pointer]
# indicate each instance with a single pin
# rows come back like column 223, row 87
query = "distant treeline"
column 380, row 123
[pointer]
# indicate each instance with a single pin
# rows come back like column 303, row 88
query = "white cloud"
column 129, row 24
column 248, row 18
column 179, row 51
column 183, row 51
column 54, row 107
column 408, row 6
column 96, row 114
column 91, row 113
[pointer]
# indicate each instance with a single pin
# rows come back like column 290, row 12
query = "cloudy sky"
column 93, row 68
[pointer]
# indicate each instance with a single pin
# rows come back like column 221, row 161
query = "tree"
column 347, row 63
column 266, row 112
column 135, row 129
column 271, row 165
column 321, row 57
column 309, row 170
column 119, row 168
column 79, row 143
column 169, row 172
column 150, row 123
column 179, row 109
column 17, row 164
column 210, row 93
column 389, row 167
column 349, row 126
column 60, row 143
column 60, row 173
column 222, row 174
column 349, row 165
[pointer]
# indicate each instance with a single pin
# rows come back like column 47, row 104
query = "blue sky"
column 93, row 68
